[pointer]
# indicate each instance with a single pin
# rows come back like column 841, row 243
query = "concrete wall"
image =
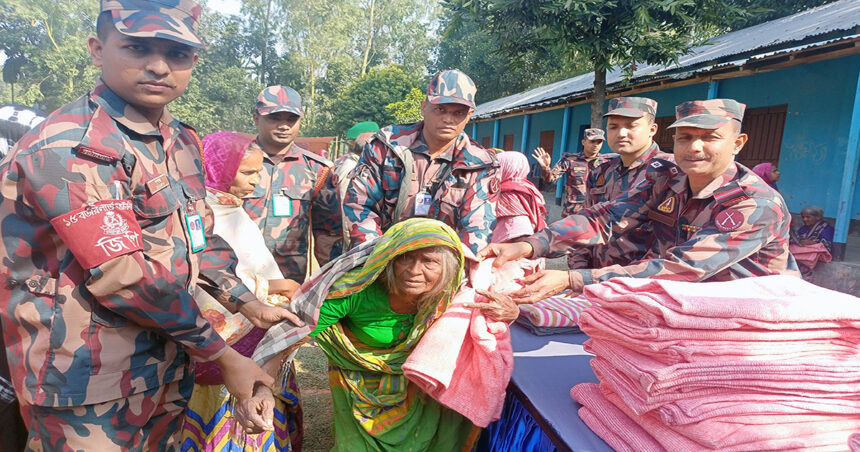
column 819, row 96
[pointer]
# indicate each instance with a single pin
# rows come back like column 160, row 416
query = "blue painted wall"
column 814, row 144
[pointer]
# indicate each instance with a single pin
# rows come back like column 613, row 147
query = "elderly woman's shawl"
column 820, row 232
column 518, row 196
column 383, row 405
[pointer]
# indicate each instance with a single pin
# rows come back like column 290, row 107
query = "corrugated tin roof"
column 723, row 51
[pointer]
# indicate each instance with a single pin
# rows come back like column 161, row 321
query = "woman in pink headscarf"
column 769, row 172
column 521, row 209
column 233, row 163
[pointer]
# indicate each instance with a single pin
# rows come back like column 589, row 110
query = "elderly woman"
column 233, row 163
column 521, row 210
column 373, row 305
column 813, row 241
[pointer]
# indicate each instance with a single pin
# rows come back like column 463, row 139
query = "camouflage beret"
column 708, row 114
column 595, row 134
column 279, row 98
column 632, row 107
column 452, row 87
column 175, row 20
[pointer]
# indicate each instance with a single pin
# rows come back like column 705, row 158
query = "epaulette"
column 658, row 167
column 316, row 157
column 730, row 194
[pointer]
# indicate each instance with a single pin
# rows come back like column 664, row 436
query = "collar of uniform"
column 722, row 180
column 292, row 152
column 125, row 113
column 420, row 146
column 646, row 156
column 465, row 153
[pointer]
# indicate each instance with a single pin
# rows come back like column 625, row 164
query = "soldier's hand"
column 540, row 285
column 505, row 252
column 264, row 316
column 543, row 158
column 255, row 414
column 244, row 379
column 500, row 307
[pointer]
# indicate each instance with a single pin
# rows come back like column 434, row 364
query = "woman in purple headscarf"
column 233, row 163
column 769, row 172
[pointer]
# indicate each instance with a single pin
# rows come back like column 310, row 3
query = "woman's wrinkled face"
column 248, row 174
column 417, row 272
column 809, row 220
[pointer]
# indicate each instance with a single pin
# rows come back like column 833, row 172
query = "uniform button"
column 32, row 284
column 11, row 283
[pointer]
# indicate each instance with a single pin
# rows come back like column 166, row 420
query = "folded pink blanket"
column 776, row 302
column 854, row 442
column 695, row 406
column 555, row 311
column 810, row 255
column 741, row 433
column 610, row 423
column 655, row 377
column 464, row 361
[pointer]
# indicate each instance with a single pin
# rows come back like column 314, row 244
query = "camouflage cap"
column 631, row 107
column 175, row 20
column 708, row 114
column 279, row 98
column 452, row 87
column 595, row 134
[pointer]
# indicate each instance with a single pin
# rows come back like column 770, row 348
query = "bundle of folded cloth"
column 767, row 363
column 553, row 315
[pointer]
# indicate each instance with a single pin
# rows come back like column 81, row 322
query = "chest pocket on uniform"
column 299, row 197
column 159, row 204
column 452, row 199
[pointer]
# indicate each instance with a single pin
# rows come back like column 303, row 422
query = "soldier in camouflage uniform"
column 630, row 131
column 296, row 195
column 576, row 167
column 713, row 219
column 447, row 176
column 105, row 234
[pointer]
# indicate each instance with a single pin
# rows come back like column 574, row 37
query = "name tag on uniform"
column 422, row 203
column 282, row 206
column 598, row 191
column 195, row 231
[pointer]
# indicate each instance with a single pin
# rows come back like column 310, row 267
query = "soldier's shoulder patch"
column 102, row 155
column 729, row 220
column 659, row 168
column 730, row 194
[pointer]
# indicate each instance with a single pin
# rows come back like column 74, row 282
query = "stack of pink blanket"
column 768, row 363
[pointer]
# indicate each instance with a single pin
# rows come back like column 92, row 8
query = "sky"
column 225, row 6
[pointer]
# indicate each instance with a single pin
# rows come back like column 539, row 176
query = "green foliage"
column 366, row 99
column 409, row 109
column 759, row 11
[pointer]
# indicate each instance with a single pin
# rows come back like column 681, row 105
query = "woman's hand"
column 807, row 242
column 499, row 307
column 540, row 285
column 264, row 316
column 255, row 413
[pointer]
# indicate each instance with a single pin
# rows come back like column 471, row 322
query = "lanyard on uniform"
column 424, row 198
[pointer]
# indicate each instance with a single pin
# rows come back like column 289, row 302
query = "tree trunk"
column 264, row 58
column 369, row 44
column 599, row 97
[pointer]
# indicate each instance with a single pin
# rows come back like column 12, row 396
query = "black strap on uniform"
column 441, row 176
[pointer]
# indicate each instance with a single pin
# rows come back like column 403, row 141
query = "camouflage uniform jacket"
column 576, row 167
column 736, row 227
column 92, row 319
column 466, row 200
column 607, row 183
column 291, row 176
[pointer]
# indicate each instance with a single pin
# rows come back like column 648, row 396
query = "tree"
column 759, row 11
column 604, row 32
column 409, row 109
column 367, row 98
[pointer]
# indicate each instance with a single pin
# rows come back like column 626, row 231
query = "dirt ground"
column 312, row 376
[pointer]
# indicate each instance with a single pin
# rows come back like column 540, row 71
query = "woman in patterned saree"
column 373, row 306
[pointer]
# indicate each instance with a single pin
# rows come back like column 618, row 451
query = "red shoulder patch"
column 729, row 220
column 100, row 232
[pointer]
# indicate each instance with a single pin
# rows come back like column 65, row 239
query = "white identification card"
column 422, row 203
column 282, row 206
column 195, row 231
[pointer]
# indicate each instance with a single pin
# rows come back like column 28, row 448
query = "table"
column 539, row 412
